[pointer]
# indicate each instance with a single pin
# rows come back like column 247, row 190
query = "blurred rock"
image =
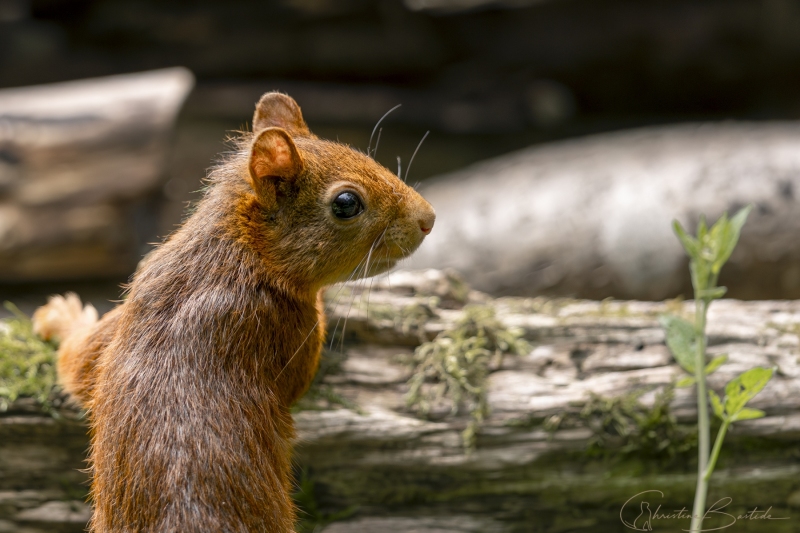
column 79, row 164
column 592, row 217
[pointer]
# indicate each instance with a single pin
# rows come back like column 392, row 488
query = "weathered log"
column 591, row 217
column 78, row 161
column 530, row 470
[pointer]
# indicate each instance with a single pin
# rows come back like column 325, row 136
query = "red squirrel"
column 188, row 383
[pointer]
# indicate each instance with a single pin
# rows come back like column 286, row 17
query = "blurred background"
column 486, row 77
column 565, row 137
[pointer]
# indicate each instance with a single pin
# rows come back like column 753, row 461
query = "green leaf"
column 748, row 414
column 743, row 388
column 690, row 244
column 728, row 237
column 702, row 228
column 688, row 381
column 716, row 404
column 700, row 273
column 716, row 363
column 712, row 294
column 681, row 340
column 717, row 232
column 738, row 220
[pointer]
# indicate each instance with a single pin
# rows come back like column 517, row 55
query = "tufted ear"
column 273, row 156
column 279, row 110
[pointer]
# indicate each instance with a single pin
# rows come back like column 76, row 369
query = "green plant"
column 708, row 252
column 310, row 519
column 452, row 368
column 624, row 425
column 27, row 363
column 409, row 319
column 321, row 395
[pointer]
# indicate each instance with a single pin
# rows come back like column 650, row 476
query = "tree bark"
column 530, row 470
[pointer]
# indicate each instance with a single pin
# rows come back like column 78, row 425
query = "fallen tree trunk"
column 591, row 217
column 544, row 460
column 80, row 164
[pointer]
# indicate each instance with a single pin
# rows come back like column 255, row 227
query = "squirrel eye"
column 346, row 205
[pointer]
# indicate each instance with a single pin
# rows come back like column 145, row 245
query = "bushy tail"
column 62, row 315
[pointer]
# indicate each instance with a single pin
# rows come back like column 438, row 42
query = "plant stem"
column 712, row 462
column 703, row 433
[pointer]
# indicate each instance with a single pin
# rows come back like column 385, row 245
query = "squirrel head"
column 321, row 212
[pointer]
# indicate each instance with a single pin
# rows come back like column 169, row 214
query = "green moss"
column 337, row 293
column 309, row 516
column 27, row 363
column 451, row 370
column 609, row 308
column 792, row 328
column 624, row 426
column 539, row 305
column 458, row 290
column 533, row 421
column 320, row 395
column 674, row 306
column 409, row 319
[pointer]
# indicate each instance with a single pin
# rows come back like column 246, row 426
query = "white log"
column 592, row 217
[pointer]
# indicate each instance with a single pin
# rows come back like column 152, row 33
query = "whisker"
column 335, row 301
column 388, row 276
column 369, row 291
column 349, row 308
column 377, row 142
column 369, row 146
column 415, row 154
column 399, row 170
column 334, row 304
column 297, row 350
column 363, row 266
column 342, row 286
column 366, row 262
column 353, row 299
column 402, row 249
column 355, row 273
column 352, row 275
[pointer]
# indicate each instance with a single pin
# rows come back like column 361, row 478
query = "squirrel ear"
column 279, row 110
column 273, row 155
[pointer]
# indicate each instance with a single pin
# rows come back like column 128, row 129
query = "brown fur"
column 190, row 380
column 78, row 353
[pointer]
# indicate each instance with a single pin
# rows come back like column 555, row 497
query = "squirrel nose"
column 426, row 221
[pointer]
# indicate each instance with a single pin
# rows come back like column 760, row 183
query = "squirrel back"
column 189, row 381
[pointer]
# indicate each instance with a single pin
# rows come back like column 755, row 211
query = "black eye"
column 346, row 205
